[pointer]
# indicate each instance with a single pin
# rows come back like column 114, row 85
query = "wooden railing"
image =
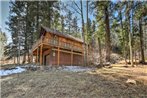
column 37, row 43
column 56, row 43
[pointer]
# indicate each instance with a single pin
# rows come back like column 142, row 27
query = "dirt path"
column 102, row 83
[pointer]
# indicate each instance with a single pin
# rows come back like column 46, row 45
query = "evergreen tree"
column 75, row 28
column 68, row 21
column 103, row 9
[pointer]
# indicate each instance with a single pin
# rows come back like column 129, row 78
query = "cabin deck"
column 46, row 44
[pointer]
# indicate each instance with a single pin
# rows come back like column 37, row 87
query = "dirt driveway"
column 101, row 83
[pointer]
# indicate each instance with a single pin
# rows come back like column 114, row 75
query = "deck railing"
column 37, row 43
column 56, row 43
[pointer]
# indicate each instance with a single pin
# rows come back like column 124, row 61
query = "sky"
column 4, row 14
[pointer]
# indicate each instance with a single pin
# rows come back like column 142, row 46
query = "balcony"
column 55, row 43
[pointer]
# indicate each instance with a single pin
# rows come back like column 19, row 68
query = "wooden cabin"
column 56, row 48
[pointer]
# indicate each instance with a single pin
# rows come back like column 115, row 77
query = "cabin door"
column 48, row 60
column 45, row 60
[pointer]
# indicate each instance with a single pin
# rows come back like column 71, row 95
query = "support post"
column 43, row 59
column 71, row 57
column 41, row 55
column 37, row 56
column 32, row 56
column 58, row 56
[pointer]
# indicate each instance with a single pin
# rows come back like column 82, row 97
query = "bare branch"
column 75, row 10
column 77, row 5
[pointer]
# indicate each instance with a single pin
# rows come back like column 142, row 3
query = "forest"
column 114, row 43
column 112, row 26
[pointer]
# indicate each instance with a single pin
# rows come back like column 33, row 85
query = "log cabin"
column 56, row 48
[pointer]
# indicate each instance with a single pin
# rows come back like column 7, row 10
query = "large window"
column 54, row 40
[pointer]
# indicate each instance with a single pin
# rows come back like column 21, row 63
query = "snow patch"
column 76, row 68
column 11, row 71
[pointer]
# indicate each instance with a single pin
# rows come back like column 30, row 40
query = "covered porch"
column 39, row 52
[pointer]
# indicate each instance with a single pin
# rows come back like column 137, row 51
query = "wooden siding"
column 57, row 41
column 52, row 49
column 77, row 59
column 64, row 58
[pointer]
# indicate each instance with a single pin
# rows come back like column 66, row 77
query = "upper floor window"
column 55, row 40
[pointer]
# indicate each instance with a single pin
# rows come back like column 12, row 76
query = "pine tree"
column 140, row 13
column 62, row 23
column 75, row 28
column 24, row 23
column 104, row 13
column 68, row 21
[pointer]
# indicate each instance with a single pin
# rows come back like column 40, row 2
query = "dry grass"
column 102, row 83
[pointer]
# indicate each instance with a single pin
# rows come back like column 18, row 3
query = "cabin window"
column 65, row 45
column 68, row 45
column 54, row 53
column 55, row 41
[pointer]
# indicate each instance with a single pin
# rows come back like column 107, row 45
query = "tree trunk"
column 129, row 59
column 100, row 52
column 131, row 51
column 141, row 42
column 28, row 58
column 37, row 24
column 14, row 60
column 107, row 36
column 49, row 13
column 24, row 59
column 139, row 55
column 87, row 30
column 124, row 42
column 26, row 29
column 83, row 34
column 130, row 38
column 135, row 58
column 17, row 59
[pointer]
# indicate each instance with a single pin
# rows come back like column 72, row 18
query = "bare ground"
column 101, row 83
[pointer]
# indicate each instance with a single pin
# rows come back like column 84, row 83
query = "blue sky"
column 4, row 11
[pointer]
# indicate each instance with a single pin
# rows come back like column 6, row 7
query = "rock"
column 9, row 82
column 107, row 64
column 31, row 80
column 99, row 65
column 131, row 81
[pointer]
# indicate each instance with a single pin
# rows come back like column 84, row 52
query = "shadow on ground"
column 101, row 83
